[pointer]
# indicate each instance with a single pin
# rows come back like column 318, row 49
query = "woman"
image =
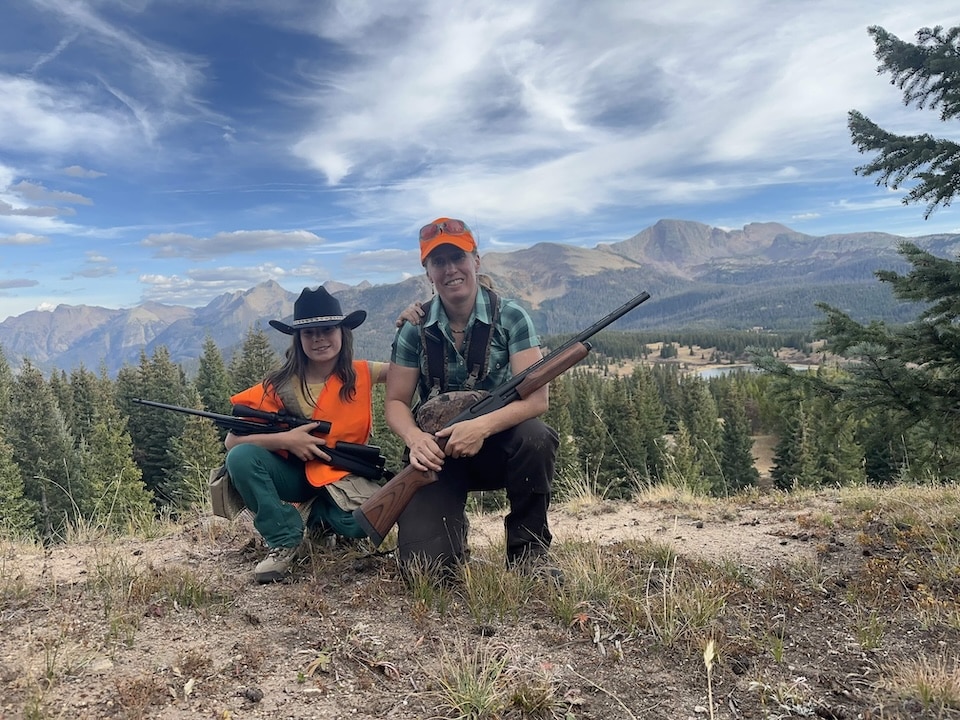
column 471, row 339
column 319, row 379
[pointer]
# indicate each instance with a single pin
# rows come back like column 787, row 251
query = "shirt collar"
column 481, row 311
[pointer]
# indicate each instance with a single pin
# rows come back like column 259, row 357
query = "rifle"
column 363, row 460
column 380, row 511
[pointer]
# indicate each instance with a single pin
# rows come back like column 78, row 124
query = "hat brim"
column 464, row 241
column 353, row 320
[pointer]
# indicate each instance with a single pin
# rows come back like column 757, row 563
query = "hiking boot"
column 276, row 565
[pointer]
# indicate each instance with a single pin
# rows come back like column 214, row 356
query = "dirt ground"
column 817, row 615
column 345, row 638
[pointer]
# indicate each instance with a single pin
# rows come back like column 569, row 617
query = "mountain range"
column 763, row 275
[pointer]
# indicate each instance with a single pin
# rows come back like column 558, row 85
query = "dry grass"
column 864, row 625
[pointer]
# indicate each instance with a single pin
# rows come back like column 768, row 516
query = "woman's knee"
column 535, row 436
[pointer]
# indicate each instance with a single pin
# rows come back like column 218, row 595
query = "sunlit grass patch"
column 429, row 586
column 110, row 523
column 483, row 680
column 579, row 490
column 869, row 627
column 673, row 604
column 15, row 557
column 668, row 494
column 491, row 593
column 935, row 684
column 55, row 655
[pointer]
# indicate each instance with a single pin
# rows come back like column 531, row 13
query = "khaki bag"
column 224, row 498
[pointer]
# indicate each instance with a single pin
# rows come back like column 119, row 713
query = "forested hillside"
column 76, row 448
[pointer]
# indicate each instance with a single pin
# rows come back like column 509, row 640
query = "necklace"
column 457, row 332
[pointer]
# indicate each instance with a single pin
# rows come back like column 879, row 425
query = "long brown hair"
column 295, row 363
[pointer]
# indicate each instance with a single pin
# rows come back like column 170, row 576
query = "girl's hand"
column 412, row 314
column 300, row 443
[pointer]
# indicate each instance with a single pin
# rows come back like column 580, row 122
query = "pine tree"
column 196, row 451
column 152, row 430
column 84, row 400
column 841, row 458
column 787, row 455
column 592, row 440
column 667, row 381
column 255, row 359
column 213, row 382
column 683, row 468
column 906, row 375
column 558, row 417
column 736, row 449
column 928, row 73
column 17, row 512
column 390, row 444
column 652, row 415
column 625, row 462
column 43, row 448
column 63, row 393
column 883, row 447
column 796, row 458
column 116, row 481
column 6, row 385
column 702, row 419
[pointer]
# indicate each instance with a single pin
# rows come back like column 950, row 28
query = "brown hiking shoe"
column 276, row 565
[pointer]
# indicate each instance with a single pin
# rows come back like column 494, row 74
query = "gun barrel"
column 290, row 420
column 239, row 423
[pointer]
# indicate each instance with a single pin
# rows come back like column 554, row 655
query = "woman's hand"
column 464, row 439
column 412, row 314
column 425, row 453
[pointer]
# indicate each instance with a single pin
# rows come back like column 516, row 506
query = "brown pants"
column 433, row 529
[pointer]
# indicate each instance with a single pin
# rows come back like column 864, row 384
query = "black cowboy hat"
column 318, row 308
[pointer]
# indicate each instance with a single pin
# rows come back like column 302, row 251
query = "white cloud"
column 55, row 120
column 532, row 113
column 200, row 285
column 17, row 283
column 170, row 245
column 38, row 193
column 23, row 239
column 81, row 172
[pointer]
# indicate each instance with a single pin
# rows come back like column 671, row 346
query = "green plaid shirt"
column 512, row 333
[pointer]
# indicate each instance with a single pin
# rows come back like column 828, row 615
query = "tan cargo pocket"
column 351, row 491
column 224, row 498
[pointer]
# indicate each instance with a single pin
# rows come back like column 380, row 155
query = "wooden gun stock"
column 380, row 511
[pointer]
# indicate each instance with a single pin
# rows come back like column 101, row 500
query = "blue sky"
column 174, row 150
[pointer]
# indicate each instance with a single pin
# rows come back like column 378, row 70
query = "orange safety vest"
column 351, row 421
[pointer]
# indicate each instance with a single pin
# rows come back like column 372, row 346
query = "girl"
column 319, row 379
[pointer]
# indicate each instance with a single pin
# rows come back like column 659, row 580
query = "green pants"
column 268, row 484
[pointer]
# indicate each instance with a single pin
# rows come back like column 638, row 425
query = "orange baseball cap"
column 445, row 231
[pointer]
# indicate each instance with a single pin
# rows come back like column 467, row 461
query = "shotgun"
column 379, row 513
column 363, row 460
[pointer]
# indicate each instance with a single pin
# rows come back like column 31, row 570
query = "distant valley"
column 764, row 275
